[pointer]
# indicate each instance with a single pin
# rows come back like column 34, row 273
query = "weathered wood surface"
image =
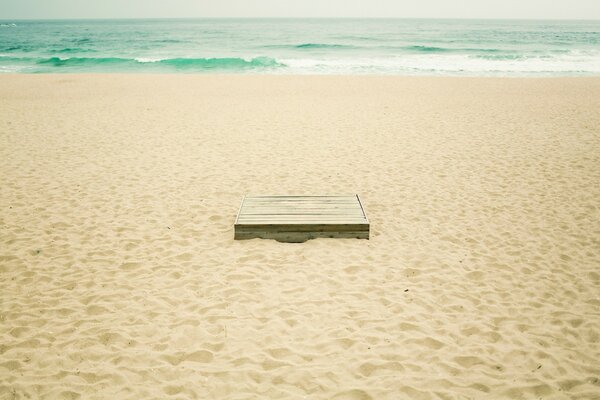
column 300, row 218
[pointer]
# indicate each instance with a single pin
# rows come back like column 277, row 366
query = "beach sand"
column 120, row 278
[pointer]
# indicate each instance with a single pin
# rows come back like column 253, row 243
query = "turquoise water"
column 303, row 46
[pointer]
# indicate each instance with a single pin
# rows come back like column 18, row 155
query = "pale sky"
column 528, row 9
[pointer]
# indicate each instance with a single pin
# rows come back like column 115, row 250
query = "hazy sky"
column 535, row 9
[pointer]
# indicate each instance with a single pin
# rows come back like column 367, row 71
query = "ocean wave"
column 169, row 41
column 81, row 40
column 505, row 57
column 193, row 64
column 449, row 64
column 68, row 50
column 13, row 48
column 10, row 58
column 573, row 63
column 8, row 25
column 308, row 46
column 437, row 49
column 323, row 46
column 361, row 38
column 426, row 49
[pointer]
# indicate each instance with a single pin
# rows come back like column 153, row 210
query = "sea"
column 303, row 46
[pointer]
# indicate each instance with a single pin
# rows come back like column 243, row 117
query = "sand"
column 120, row 278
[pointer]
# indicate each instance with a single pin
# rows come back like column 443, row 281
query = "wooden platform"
column 300, row 218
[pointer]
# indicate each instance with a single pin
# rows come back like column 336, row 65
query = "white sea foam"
column 7, row 69
column 149, row 59
column 582, row 63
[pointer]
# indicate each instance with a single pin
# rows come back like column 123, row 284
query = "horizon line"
column 290, row 18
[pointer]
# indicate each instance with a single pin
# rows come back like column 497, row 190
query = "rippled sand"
column 120, row 278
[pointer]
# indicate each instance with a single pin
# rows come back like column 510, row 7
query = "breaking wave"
column 191, row 64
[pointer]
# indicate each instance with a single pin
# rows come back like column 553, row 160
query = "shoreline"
column 217, row 74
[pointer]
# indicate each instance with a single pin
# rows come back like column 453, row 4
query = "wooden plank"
column 296, row 217
column 287, row 213
column 302, row 202
column 287, row 227
column 322, row 200
column 348, row 206
column 250, row 204
column 338, row 209
column 300, row 237
column 240, row 209
column 300, row 218
column 295, row 211
column 313, row 224
column 254, row 221
column 301, row 197
column 300, row 212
